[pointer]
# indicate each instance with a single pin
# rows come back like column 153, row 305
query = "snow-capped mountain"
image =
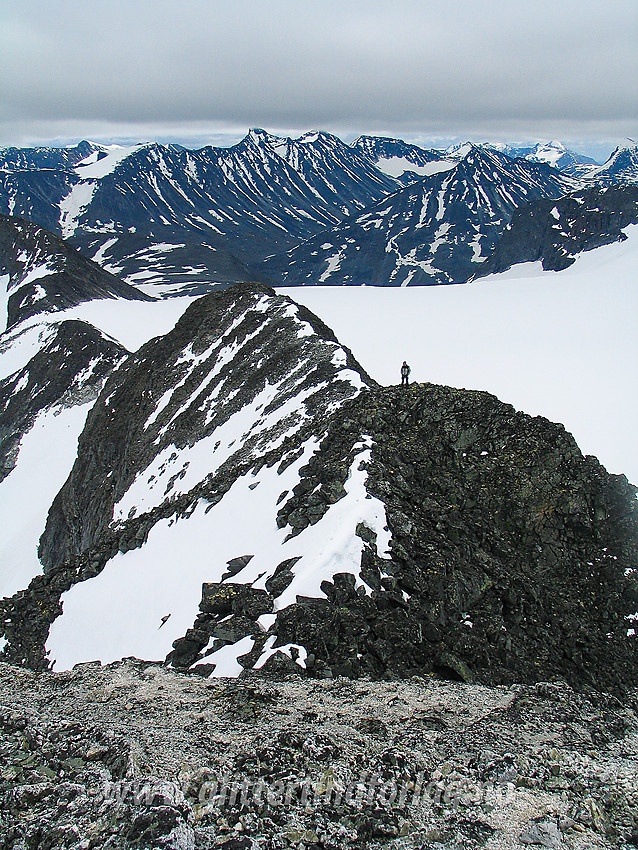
column 401, row 160
column 154, row 213
column 436, row 230
column 621, row 167
column 553, row 153
column 237, row 493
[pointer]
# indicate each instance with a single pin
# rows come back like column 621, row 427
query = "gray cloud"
column 153, row 67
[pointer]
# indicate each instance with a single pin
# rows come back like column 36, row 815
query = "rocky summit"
column 245, row 497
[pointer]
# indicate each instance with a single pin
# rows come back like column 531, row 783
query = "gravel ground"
column 137, row 755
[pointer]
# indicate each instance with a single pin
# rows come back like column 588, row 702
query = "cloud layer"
column 504, row 68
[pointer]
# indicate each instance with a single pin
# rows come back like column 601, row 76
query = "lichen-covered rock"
column 135, row 755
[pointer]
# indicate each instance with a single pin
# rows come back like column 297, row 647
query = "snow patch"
column 47, row 453
column 98, row 257
column 94, row 168
column 38, row 272
column 269, row 650
column 74, row 204
column 334, row 264
column 225, row 659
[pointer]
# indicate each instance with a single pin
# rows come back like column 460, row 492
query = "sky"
column 204, row 71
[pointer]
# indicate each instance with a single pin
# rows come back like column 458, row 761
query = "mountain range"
column 287, row 210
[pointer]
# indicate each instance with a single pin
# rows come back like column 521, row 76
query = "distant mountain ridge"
column 436, row 230
column 165, row 218
column 153, row 212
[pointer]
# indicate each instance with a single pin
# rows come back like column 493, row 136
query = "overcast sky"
column 200, row 71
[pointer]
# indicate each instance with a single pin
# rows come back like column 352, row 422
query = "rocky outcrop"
column 246, row 356
column 554, row 232
column 512, row 555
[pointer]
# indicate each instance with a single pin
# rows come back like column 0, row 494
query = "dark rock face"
column 47, row 274
column 554, row 232
column 508, row 552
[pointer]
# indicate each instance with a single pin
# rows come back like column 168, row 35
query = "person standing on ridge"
column 405, row 374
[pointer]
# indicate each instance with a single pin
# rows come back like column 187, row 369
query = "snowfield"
column 557, row 344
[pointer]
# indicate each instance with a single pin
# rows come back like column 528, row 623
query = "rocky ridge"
column 135, row 755
column 392, row 531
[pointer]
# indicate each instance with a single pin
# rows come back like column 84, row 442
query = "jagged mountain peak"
column 459, row 150
column 313, row 137
column 245, row 353
column 621, row 167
